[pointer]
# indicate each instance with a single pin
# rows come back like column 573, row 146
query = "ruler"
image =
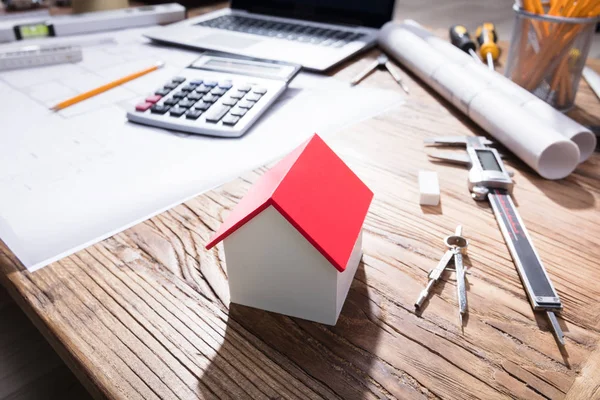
column 36, row 56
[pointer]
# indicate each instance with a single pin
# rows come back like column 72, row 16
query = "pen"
column 104, row 88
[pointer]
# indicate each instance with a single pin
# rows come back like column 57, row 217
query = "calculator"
column 217, row 95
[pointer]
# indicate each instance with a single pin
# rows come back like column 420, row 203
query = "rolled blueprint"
column 569, row 128
column 545, row 139
column 582, row 136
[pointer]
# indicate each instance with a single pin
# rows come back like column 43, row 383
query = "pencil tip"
column 160, row 64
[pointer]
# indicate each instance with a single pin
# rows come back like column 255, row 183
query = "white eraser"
column 429, row 188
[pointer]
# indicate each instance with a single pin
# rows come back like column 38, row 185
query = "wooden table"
column 146, row 314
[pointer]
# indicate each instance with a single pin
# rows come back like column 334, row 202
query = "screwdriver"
column 487, row 38
column 459, row 37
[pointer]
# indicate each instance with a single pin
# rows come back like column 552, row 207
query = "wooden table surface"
column 146, row 313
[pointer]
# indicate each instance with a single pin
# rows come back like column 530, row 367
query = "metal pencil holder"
column 547, row 55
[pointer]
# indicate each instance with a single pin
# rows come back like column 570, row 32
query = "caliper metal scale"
column 489, row 179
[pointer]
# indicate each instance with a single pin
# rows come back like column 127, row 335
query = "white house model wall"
column 289, row 276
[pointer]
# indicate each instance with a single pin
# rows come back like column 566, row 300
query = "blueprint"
column 72, row 178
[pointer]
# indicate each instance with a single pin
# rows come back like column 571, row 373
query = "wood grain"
column 587, row 385
column 29, row 368
column 145, row 313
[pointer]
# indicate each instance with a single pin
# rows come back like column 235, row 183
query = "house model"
column 293, row 243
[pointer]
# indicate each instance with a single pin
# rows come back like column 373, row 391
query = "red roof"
column 317, row 193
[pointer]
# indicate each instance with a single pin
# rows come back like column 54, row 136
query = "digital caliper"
column 489, row 179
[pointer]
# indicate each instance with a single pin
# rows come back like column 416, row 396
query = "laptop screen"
column 370, row 13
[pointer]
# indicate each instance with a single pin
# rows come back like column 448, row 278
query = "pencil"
column 104, row 88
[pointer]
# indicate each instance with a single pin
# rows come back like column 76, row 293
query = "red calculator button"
column 153, row 99
column 143, row 106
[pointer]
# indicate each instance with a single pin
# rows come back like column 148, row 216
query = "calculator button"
column 210, row 83
column 230, row 120
column 253, row 97
column 194, row 96
column 193, row 114
column 202, row 106
column 159, row 109
column 245, row 104
column 239, row 112
column 188, row 88
column 153, row 99
column 171, row 85
column 180, row 95
column 209, row 98
column 237, row 94
column 230, row 101
column 216, row 113
column 225, row 85
column 202, row 89
column 259, row 90
column 171, row 101
column 178, row 79
column 177, row 112
column 162, row 92
column 244, row 88
column 186, row 103
column 143, row 106
column 218, row 91
column 196, row 82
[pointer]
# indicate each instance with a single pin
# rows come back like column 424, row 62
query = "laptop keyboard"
column 283, row 30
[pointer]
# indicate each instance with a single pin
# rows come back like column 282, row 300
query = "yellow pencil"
column 104, row 88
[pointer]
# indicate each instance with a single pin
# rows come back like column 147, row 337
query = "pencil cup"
column 547, row 55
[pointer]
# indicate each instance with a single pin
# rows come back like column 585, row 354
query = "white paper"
column 70, row 179
column 548, row 141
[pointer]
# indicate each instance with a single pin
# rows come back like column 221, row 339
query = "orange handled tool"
column 487, row 38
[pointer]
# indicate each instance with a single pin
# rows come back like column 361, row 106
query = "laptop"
column 316, row 34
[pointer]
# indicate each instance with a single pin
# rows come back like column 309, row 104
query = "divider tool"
column 489, row 179
column 382, row 62
column 457, row 245
column 434, row 276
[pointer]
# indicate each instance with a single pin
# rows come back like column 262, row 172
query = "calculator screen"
column 235, row 66
column 249, row 67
